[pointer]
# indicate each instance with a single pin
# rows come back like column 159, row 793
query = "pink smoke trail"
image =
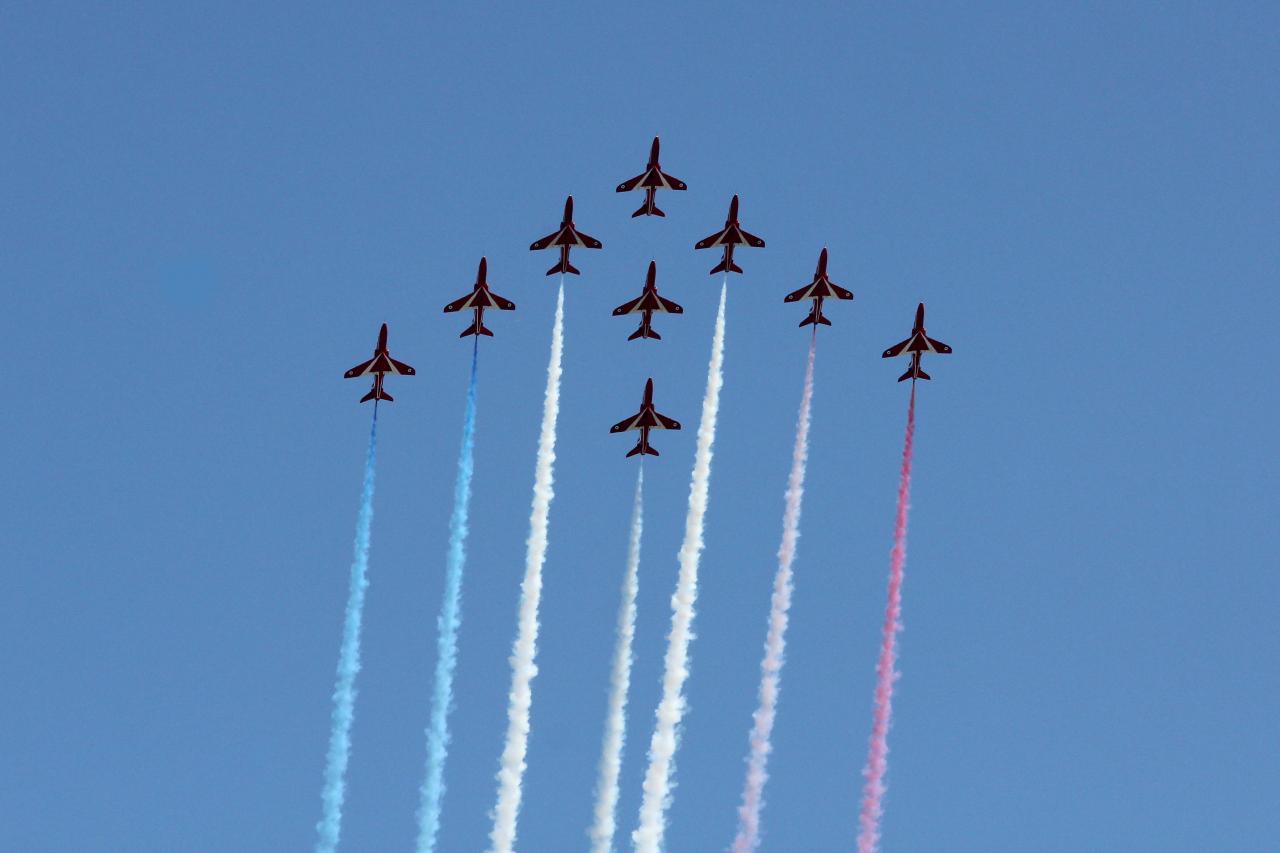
column 748, row 838
column 878, row 750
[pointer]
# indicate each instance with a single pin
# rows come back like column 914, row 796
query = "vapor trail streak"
column 748, row 838
column 878, row 749
column 605, row 825
column 448, row 623
column 502, row 837
column 648, row 836
column 344, row 691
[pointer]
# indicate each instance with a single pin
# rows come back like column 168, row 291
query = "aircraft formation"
column 819, row 292
column 649, row 302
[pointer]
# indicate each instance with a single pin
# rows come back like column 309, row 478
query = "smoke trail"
column 448, row 623
column 748, row 838
column 511, row 774
column 878, row 750
column 344, row 691
column 620, row 681
column 662, row 747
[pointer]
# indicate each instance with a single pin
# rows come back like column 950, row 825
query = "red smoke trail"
column 878, row 750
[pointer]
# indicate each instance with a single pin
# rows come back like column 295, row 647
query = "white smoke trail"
column 502, row 837
column 748, row 838
column 648, row 836
column 605, row 825
column 344, row 691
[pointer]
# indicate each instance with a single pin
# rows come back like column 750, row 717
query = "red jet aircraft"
column 644, row 420
column 917, row 345
column 651, row 180
column 732, row 235
column 381, row 364
column 645, row 304
column 480, row 298
column 819, row 289
column 565, row 239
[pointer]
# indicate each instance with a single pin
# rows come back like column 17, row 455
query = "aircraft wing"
column 938, row 346
column 634, row 183
column 630, row 423
column 459, row 304
column 673, row 182
column 796, row 295
column 501, row 303
column 629, row 307
column 546, row 241
column 896, row 349
column 401, row 368
column 669, row 306
column 358, row 370
column 713, row 240
column 587, row 241
column 840, row 293
column 751, row 239
column 664, row 422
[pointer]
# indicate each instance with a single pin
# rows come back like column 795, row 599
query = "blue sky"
column 206, row 211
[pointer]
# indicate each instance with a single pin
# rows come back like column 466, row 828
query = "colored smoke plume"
column 878, row 749
column 344, row 691
column 448, row 623
column 748, row 838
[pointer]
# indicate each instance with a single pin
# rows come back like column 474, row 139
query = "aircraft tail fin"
column 376, row 393
column 642, row 449
column 914, row 373
column 726, row 266
column 812, row 319
column 648, row 209
column 644, row 332
column 565, row 267
column 476, row 328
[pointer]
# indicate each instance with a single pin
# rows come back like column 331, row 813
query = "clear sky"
column 207, row 210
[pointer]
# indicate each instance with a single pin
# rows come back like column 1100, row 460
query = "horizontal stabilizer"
column 725, row 265
column 377, row 394
column 566, row 267
column 648, row 210
column 476, row 328
column 914, row 373
column 645, row 332
column 642, row 449
column 821, row 319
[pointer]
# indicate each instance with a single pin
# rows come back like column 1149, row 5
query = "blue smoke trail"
column 450, row 619
column 344, row 691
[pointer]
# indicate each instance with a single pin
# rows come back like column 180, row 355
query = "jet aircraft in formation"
column 564, row 239
column 917, row 345
column 730, row 236
column 819, row 289
column 644, row 420
column 381, row 364
column 480, row 298
column 645, row 304
column 649, row 302
column 651, row 180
